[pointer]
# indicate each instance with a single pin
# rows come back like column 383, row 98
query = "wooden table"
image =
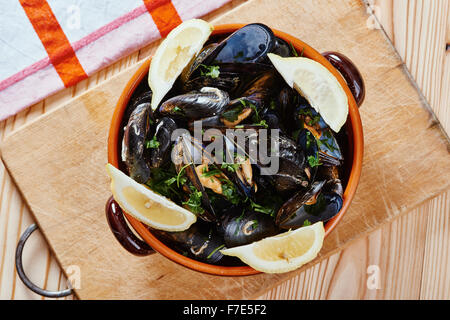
column 410, row 255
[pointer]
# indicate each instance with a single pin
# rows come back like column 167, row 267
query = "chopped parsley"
column 215, row 250
column 211, row 71
column 314, row 161
column 293, row 49
column 232, row 167
column 152, row 144
column 309, row 139
column 177, row 109
column 181, row 179
column 229, row 191
column 259, row 208
column 194, row 202
column 233, row 114
column 263, row 123
column 306, row 223
column 162, row 182
column 210, row 173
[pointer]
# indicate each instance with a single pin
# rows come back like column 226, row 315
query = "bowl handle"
column 349, row 72
column 122, row 231
column 21, row 273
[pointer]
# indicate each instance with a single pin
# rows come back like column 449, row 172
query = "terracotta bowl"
column 353, row 129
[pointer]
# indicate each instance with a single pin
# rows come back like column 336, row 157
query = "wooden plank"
column 67, row 94
column 396, row 250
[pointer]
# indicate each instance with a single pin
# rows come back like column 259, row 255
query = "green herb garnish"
column 212, row 71
column 259, row 208
column 293, row 49
column 306, row 223
column 215, row 250
column 152, row 144
column 233, row 114
column 232, row 167
column 195, row 201
column 263, row 123
column 229, row 191
column 180, row 177
column 210, row 173
column 314, row 161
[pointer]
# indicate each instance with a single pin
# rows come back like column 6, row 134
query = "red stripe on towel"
column 55, row 42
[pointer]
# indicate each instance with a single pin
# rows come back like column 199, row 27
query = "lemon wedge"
column 283, row 252
column 317, row 85
column 147, row 206
column 173, row 55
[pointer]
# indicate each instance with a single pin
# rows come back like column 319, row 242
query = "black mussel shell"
column 237, row 169
column 273, row 120
column 138, row 129
column 320, row 203
column 329, row 151
column 290, row 177
column 244, row 227
column 307, row 141
column 231, row 77
column 282, row 48
column 162, row 141
column 187, row 153
column 196, row 105
column 195, row 63
column 250, row 43
column 200, row 242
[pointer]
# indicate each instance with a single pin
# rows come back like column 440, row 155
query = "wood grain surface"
column 411, row 252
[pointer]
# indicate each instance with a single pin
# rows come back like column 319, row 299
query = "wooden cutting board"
column 58, row 162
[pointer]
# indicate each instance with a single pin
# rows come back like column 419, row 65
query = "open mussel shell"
column 250, row 43
column 263, row 88
column 160, row 151
column 291, row 174
column 308, row 143
column 139, row 127
column 231, row 77
column 236, row 166
column 200, row 242
column 188, row 153
column 196, row 105
column 241, row 227
column 196, row 61
column 319, row 203
column 329, row 151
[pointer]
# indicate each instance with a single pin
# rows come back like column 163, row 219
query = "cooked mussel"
column 320, row 203
column 291, row 174
column 161, row 142
column 196, row 105
column 188, row 155
column 329, row 151
column 138, row 129
column 229, row 77
column 282, row 48
column 250, row 44
column 235, row 164
column 254, row 99
column 241, row 227
column 200, row 241
column 196, row 62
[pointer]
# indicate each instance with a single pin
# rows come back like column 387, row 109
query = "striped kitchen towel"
column 47, row 45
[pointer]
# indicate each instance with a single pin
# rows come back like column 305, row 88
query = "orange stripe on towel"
column 164, row 15
column 55, row 42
